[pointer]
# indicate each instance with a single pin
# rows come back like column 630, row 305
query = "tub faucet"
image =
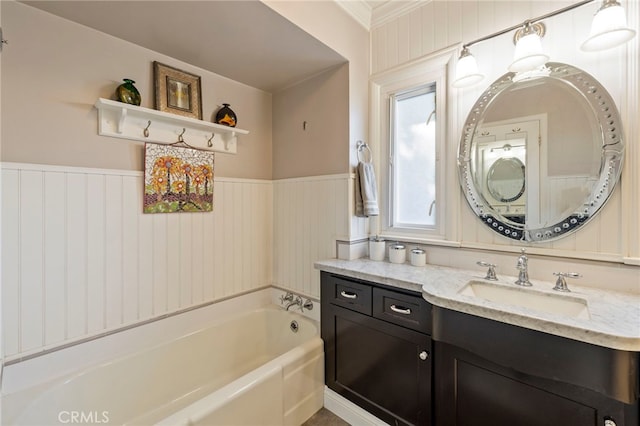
column 522, row 266
column 295, row 302
column 307, row 304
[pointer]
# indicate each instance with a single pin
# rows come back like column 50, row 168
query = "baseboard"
column 348, row 411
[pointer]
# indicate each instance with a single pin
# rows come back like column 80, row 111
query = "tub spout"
column 295, row 302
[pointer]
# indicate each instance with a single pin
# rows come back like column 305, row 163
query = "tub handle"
column 348, row 295
column 402, row 311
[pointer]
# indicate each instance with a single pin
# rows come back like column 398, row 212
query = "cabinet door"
column 383, row 368
column 470, row 391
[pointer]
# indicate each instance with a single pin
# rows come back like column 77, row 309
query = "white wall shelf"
column 124, row 121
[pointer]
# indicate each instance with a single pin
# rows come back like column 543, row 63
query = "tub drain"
column 294, row 326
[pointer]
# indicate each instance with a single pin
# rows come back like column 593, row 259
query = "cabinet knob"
column 609, row 422
column 424, row 355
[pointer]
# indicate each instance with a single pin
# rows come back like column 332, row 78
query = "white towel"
column 366, row 191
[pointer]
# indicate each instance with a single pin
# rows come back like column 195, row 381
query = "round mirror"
column 540, row 155
column 505, row 180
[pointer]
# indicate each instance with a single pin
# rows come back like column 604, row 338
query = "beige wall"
column 55, row 70
column 311, row 126
column 327, row 22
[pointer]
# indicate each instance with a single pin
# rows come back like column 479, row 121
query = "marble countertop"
column 614, row 317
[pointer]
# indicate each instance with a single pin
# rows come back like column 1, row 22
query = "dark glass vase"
column 128, row 93
column 226, row 116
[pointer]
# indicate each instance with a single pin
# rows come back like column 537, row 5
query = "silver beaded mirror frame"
column 608, row 147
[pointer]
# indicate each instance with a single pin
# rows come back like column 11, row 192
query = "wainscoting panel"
column 309, row 215
column 79, row 258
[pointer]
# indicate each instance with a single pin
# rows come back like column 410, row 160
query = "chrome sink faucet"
column 523, row 268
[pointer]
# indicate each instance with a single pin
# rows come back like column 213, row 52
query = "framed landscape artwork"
column 177, row 179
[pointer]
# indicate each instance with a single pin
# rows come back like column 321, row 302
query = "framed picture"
column 177, row 179
column 177, row 91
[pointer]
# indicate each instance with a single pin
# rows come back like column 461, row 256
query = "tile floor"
column 325, row 417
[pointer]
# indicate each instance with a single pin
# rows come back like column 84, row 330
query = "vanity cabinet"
column 378, row 348
column 492, row 373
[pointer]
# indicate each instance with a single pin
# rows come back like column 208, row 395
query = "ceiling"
column 245, row 41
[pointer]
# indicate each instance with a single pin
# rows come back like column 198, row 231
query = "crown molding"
column 359, row 10
column 370, row 17
column 394, row 9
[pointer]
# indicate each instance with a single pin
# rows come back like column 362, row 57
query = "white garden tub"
column 248, row 370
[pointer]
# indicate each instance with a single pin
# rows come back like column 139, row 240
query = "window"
column 408, row 106
column 412, row 166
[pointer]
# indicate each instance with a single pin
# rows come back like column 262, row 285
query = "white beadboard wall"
column 310, row 214
column 80, row 258
column 436, row 25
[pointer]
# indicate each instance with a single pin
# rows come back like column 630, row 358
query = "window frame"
column 432, row 69
column 394, row 98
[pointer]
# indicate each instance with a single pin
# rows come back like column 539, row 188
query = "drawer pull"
column 402, row 311
column 348, row 295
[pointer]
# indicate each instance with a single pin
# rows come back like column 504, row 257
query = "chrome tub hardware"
column 308, row 305
column 289, row 300
column 287, row 297
column 561, row 283
column 491, row 271
column 297, row 301
column 523, row 268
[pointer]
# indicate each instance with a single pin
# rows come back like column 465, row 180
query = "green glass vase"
column 128, row 93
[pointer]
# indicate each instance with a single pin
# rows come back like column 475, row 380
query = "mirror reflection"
column 540, row 156
column 505, row 180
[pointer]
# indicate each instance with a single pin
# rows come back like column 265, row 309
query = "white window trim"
column 432, row 68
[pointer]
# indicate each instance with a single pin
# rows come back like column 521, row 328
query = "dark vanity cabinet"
column 378, row 348
column 491, row 373
column 410, row 363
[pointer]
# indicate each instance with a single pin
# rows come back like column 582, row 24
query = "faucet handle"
column 288, row 297
column 308, row 305
column 491, row 272
column 561, row 283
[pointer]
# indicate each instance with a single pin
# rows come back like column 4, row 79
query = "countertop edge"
column 558, row 326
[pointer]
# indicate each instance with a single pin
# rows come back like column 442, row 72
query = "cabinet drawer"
column 403, row 309
column 348, row 294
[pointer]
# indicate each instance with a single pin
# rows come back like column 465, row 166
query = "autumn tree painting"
column 177, row 179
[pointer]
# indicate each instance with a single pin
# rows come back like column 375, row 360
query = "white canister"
column 377, row 248
column 397, row 253
column 418, row 257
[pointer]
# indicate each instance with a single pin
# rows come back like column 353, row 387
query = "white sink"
column 560, row 304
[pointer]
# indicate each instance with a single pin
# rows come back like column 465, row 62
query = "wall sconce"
column 466, row 70
column 529, row 54
column 609, row 29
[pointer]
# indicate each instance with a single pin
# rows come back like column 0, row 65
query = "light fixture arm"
column 531, row 21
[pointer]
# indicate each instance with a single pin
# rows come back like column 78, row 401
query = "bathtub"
column 252, row 369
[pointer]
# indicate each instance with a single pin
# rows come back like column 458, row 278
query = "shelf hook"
column 209, row 143
column 180, row 138
column 145, row 132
